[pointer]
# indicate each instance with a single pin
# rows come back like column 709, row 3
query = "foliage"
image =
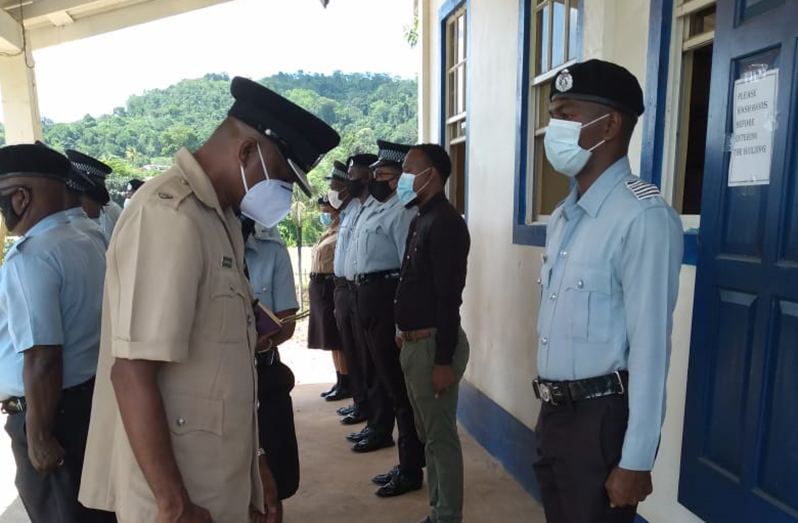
column 152, row 126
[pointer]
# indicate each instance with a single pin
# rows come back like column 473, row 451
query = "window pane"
column 461, row 87
column 461, row 38
column 551, row 186
column 572, row 32
column 450, row 109
column 542, row 107
column 558, row 36
column 702, row 22
column 542, row 43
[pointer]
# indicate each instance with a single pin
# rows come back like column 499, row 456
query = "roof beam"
column 44, row 8
column 92, row 25
column 11, row 41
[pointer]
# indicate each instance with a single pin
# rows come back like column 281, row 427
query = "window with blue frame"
column 550, row 40
column 456, row 83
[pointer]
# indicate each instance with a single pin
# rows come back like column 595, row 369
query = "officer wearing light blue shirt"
column 97, row 202
column 51, row 291
column 353, row 200
column 270, row 272
column 376, row 256
column 609, row 283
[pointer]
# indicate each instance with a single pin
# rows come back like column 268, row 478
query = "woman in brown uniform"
column 322, row 329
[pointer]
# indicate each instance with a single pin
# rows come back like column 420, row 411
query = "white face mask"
column 335, row 198
column 268, row 201
column 562, row 146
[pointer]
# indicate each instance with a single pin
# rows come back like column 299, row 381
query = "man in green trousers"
column 434, row 347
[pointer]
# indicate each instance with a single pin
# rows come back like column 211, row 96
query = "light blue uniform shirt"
column 109, row 215
column 51, row 292
column 270, row 273
column 78, row 218
column 379, row 237
column 345, row 227
column 609, row 284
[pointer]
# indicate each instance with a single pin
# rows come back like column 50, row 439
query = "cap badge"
column 564, row 82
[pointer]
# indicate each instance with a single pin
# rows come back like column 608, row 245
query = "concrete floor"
column 336, row 483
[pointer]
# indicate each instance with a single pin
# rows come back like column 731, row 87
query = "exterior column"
column 22, row 121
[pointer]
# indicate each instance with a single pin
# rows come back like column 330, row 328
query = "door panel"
column 740, row 450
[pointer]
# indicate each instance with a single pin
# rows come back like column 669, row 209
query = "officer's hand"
column 270, row 498
column 188, row 513
column 442, row 378
column 45, row 454
column 628, row 487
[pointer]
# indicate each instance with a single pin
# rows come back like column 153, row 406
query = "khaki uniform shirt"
column 323, row 254
column 175, row 292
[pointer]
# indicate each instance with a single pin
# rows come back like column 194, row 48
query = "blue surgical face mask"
column 405, row 191
column 562, row 146
column 326, row 219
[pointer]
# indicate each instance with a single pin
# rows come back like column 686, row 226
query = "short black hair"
column 437, row 156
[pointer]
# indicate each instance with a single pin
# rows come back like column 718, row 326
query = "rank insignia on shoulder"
column 642, row 190
column 227, row 262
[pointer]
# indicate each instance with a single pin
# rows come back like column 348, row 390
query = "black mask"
column 380, row 190
column 355, row 188
column 10, row 217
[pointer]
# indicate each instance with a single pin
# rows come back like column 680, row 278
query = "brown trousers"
column 578, row 445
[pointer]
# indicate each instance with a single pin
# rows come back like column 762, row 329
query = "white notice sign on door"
column 754, row 129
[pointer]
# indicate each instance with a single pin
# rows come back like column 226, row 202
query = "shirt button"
column 249, row 320
column 395, row 302
column 232, row 288
column 264, row 289
column 180, row 422
column 580, row 284
column 553, row 296
column 539, row 281
column 564, row 254
column 544, row 341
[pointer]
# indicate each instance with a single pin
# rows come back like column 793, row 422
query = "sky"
column 253, row 38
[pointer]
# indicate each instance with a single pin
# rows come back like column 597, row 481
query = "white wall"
column 502, row 296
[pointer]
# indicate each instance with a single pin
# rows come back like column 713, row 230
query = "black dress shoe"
column 425, row 520
column 345, row 411
column 339, row 394
column 332, row 390
column 372, row 443
column 354, row 437
column 384, row 479
column 399, row 484
column 354, row 418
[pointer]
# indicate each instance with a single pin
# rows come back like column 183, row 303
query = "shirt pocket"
column 373, row 237
column 230, row 304
column 591, row 295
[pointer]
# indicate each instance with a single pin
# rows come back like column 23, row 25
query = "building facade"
column 719, row 139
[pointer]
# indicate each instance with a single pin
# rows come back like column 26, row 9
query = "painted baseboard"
column 504, row 437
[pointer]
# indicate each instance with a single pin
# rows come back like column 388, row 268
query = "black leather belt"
column 268, row 358
column 14, row 406
column 372, row 277
column 564, row 392
column 318, row 277
column 340, row 283
column 19, row 405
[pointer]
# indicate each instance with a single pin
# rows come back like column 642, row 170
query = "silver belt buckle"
column 545, row 394
column 620, row 382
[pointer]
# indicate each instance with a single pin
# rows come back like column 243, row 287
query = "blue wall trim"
column 446, row 10
column 656, row 89
column 505, row 438
column 508, row 440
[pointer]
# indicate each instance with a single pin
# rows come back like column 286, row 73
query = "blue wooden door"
column 740, row 450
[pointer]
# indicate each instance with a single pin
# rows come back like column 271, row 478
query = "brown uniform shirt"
column 175, row 292
column 323, row 254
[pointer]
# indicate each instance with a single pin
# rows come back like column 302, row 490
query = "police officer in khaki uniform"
column 173, row 434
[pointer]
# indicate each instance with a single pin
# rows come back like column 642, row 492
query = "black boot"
column 342, row 392
column 334, row 387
